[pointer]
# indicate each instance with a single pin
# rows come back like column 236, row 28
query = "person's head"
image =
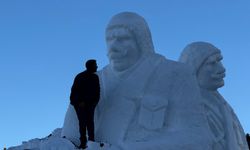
column 205, row 59
column 91, row 65
column 128, row 38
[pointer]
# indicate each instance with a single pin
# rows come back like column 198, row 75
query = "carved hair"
column 137, row 26
column 196, row 53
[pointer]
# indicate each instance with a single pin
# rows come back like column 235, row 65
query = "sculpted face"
column 123, row 51
column 211, row 73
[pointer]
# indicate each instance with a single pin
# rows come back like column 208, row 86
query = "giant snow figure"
column 147, row 101
column 209, row 71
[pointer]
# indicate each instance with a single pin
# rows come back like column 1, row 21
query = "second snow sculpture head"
column 225, row 127
column 206, row 61
column 128, row 38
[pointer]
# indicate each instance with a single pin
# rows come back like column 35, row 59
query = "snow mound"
column 54, row 141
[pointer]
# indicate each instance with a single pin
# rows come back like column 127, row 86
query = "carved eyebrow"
column 214, row 58
column 117, row 36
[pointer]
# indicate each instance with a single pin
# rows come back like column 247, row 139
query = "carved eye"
column 211, row 62
column 123, row 38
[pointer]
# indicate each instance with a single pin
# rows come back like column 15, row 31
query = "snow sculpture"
column 209, row 71
column 147, row 102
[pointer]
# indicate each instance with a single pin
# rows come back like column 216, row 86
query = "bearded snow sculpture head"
column 128, row 37
column 205, row 59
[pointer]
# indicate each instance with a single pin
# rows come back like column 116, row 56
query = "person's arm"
column 74, row 95
column 95, row 87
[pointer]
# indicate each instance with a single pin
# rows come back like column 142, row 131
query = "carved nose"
column 220, row 72
column 117, row 50
column 222, row 69
column 113, row 46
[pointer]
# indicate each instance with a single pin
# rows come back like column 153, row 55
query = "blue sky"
column 44, row 43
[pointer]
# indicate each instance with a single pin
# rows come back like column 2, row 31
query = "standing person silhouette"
column 85, row 94
column 248, row 140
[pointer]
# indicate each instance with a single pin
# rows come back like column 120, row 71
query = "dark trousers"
column 85, row 116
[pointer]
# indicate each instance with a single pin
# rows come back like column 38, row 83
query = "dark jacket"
column 86, row 88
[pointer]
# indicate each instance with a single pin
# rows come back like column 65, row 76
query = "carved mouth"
column 219, row 75
column 116, row 59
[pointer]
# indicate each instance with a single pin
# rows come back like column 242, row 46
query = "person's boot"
column 83, row 144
